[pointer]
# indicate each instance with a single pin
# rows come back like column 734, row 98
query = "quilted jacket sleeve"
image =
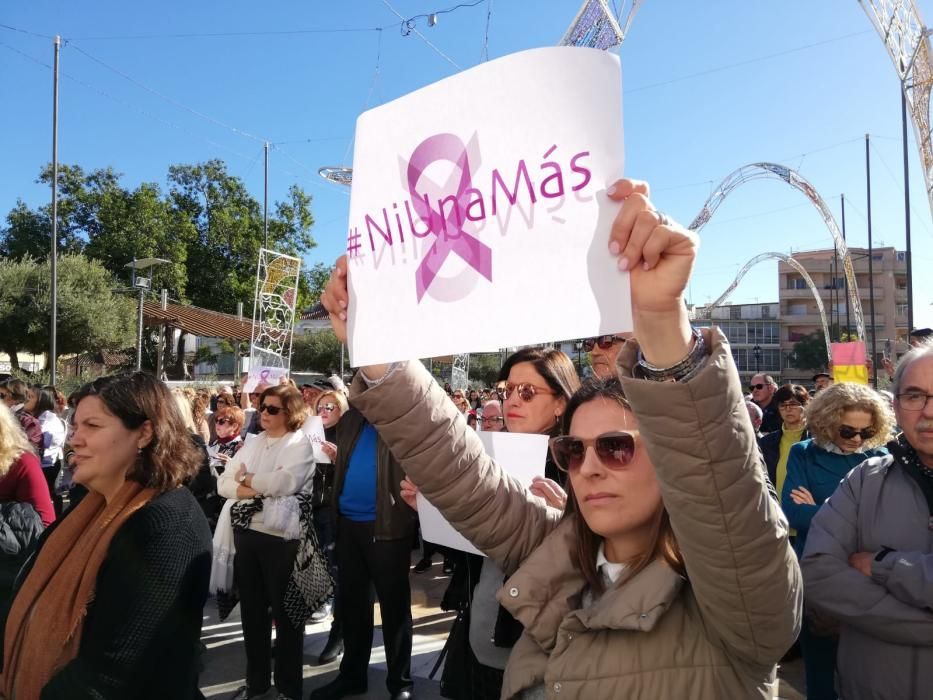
column 834, row 587
column 445, row 459
column 732, row 534
column 798, row 515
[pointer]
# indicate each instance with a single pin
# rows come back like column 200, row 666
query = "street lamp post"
column 142, row 284
column 757, row 351
column 579, row 348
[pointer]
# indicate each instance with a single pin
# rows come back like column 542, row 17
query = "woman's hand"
column 335, row 298
column 409, row 493
column 802, row 497
column 659, row 254
column 550, row 491
column 330, row 449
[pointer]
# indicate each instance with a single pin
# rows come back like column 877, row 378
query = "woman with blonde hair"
column 849, row 423
column 614, row 603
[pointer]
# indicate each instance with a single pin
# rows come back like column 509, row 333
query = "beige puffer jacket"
column 717, row 636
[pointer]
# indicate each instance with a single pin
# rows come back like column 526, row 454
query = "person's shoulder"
column 172, row 515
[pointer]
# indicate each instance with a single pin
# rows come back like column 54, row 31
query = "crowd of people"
column 684, row 535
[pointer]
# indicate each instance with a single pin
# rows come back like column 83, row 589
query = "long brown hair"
column 663, row 543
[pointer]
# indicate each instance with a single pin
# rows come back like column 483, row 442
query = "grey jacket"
column 886, row 636
column 716, row 636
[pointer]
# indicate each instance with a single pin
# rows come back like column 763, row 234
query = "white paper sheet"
column 313, row 427
column 264, row 375
column 482, row 197
column 520, row 456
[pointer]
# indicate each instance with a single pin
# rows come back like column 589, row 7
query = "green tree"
column 316, row 352
column 317, row 276
column 809, row 353
column 90, row 316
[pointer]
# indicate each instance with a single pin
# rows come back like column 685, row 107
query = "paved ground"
column 225, row 663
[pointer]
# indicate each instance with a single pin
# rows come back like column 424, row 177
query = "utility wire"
column 484, row 56
column 26, row 31
column 898, row 184
column 422, row 36
column 746, row 62
column 221, row 35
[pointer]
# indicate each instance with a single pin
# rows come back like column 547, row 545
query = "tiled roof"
column 197, row 321
column 315, row 313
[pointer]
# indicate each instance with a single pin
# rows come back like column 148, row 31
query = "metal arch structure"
column 907, row 40
column 757, row 171
column 274, row 309
column 597, row 27
column 337, row 174
column 708, row 310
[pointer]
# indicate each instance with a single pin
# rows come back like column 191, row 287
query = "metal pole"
column 53, row 336
column 163, row 304
column 871, row 271
column 842, row 197
column 833, row 294
column 139, row 334
column 265, row 199
column 907, row 254
column 342, row 346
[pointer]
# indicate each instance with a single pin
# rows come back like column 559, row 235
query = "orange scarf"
column 43, row 630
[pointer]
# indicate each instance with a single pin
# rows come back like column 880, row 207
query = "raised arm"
column 732, row 534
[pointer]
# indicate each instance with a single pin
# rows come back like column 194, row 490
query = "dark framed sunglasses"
column 329, row 407
column 604, row 342
column 224, row 421
column 847, row 433
column 271, row 410
column 752, row 387
column 615, row 450
column 526, row 391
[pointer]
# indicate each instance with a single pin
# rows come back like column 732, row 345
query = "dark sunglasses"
column 225, row 421
column 526, row 391
column 493, row 419
column 847, row 433
column 752, row 387
column 604, row 342
column 329, row 407
column 271, row 410
column 615, row 450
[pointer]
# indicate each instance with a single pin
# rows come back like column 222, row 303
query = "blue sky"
column 708, row 87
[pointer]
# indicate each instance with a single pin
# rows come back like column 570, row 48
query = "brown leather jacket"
column 717, row 635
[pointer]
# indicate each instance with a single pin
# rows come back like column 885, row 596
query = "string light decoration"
column 707, row 311
column 597, row 27
column 907, row 40
column 274, row 309
column 758, row 171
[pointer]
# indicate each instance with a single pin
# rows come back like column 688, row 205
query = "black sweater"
column 142, row 631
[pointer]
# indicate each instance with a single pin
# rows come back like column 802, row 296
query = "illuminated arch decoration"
column 460, row 372
column 274, row 309
column 907, row 40
column 706, row 311
column 596, row 27
column 757, row 171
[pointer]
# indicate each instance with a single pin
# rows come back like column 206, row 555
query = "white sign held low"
column 482, row 193
column 520, row 456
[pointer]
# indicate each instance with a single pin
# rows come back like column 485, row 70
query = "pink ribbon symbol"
column 436, row 148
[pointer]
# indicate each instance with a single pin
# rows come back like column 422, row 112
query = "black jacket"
column 140, row 639
column 394, row 519
column 770, row 446
column 20, row 530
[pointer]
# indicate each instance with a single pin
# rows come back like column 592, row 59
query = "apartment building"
column 754, row 333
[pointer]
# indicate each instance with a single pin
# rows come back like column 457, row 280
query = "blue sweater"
column 819, row 471
column 358, row 498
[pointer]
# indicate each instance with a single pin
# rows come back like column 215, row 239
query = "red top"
column 26, row 483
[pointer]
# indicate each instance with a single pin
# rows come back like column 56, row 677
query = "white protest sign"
column 264, row 375
column 313, row 427
column 481, row 198
column 520, row 456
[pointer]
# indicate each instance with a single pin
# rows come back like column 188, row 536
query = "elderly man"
column 821, row 380
column 492, row 422
column 603, row 353
column 868, row 562
column 763, row 387
column 754, row 415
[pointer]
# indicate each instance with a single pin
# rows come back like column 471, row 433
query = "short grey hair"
column 920, row 352
column 754, row 408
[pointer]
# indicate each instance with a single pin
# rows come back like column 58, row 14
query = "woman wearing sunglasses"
column 262, row 526
column 849, row 423
column 615, row 602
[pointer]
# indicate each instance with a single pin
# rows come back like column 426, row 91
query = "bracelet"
column 679, row 371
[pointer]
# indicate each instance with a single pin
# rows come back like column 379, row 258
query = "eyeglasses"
column 604, row 342
column 225, row 421
column 913, row 400
column 493, row 419
column 329, row 407
column 787, row 405
column 614, row 450
column 847, row 433
column 753, row 387
column 271, row 410
column 526, row 391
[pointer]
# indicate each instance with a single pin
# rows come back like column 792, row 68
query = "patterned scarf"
column 43, row 631
column 905, row 455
